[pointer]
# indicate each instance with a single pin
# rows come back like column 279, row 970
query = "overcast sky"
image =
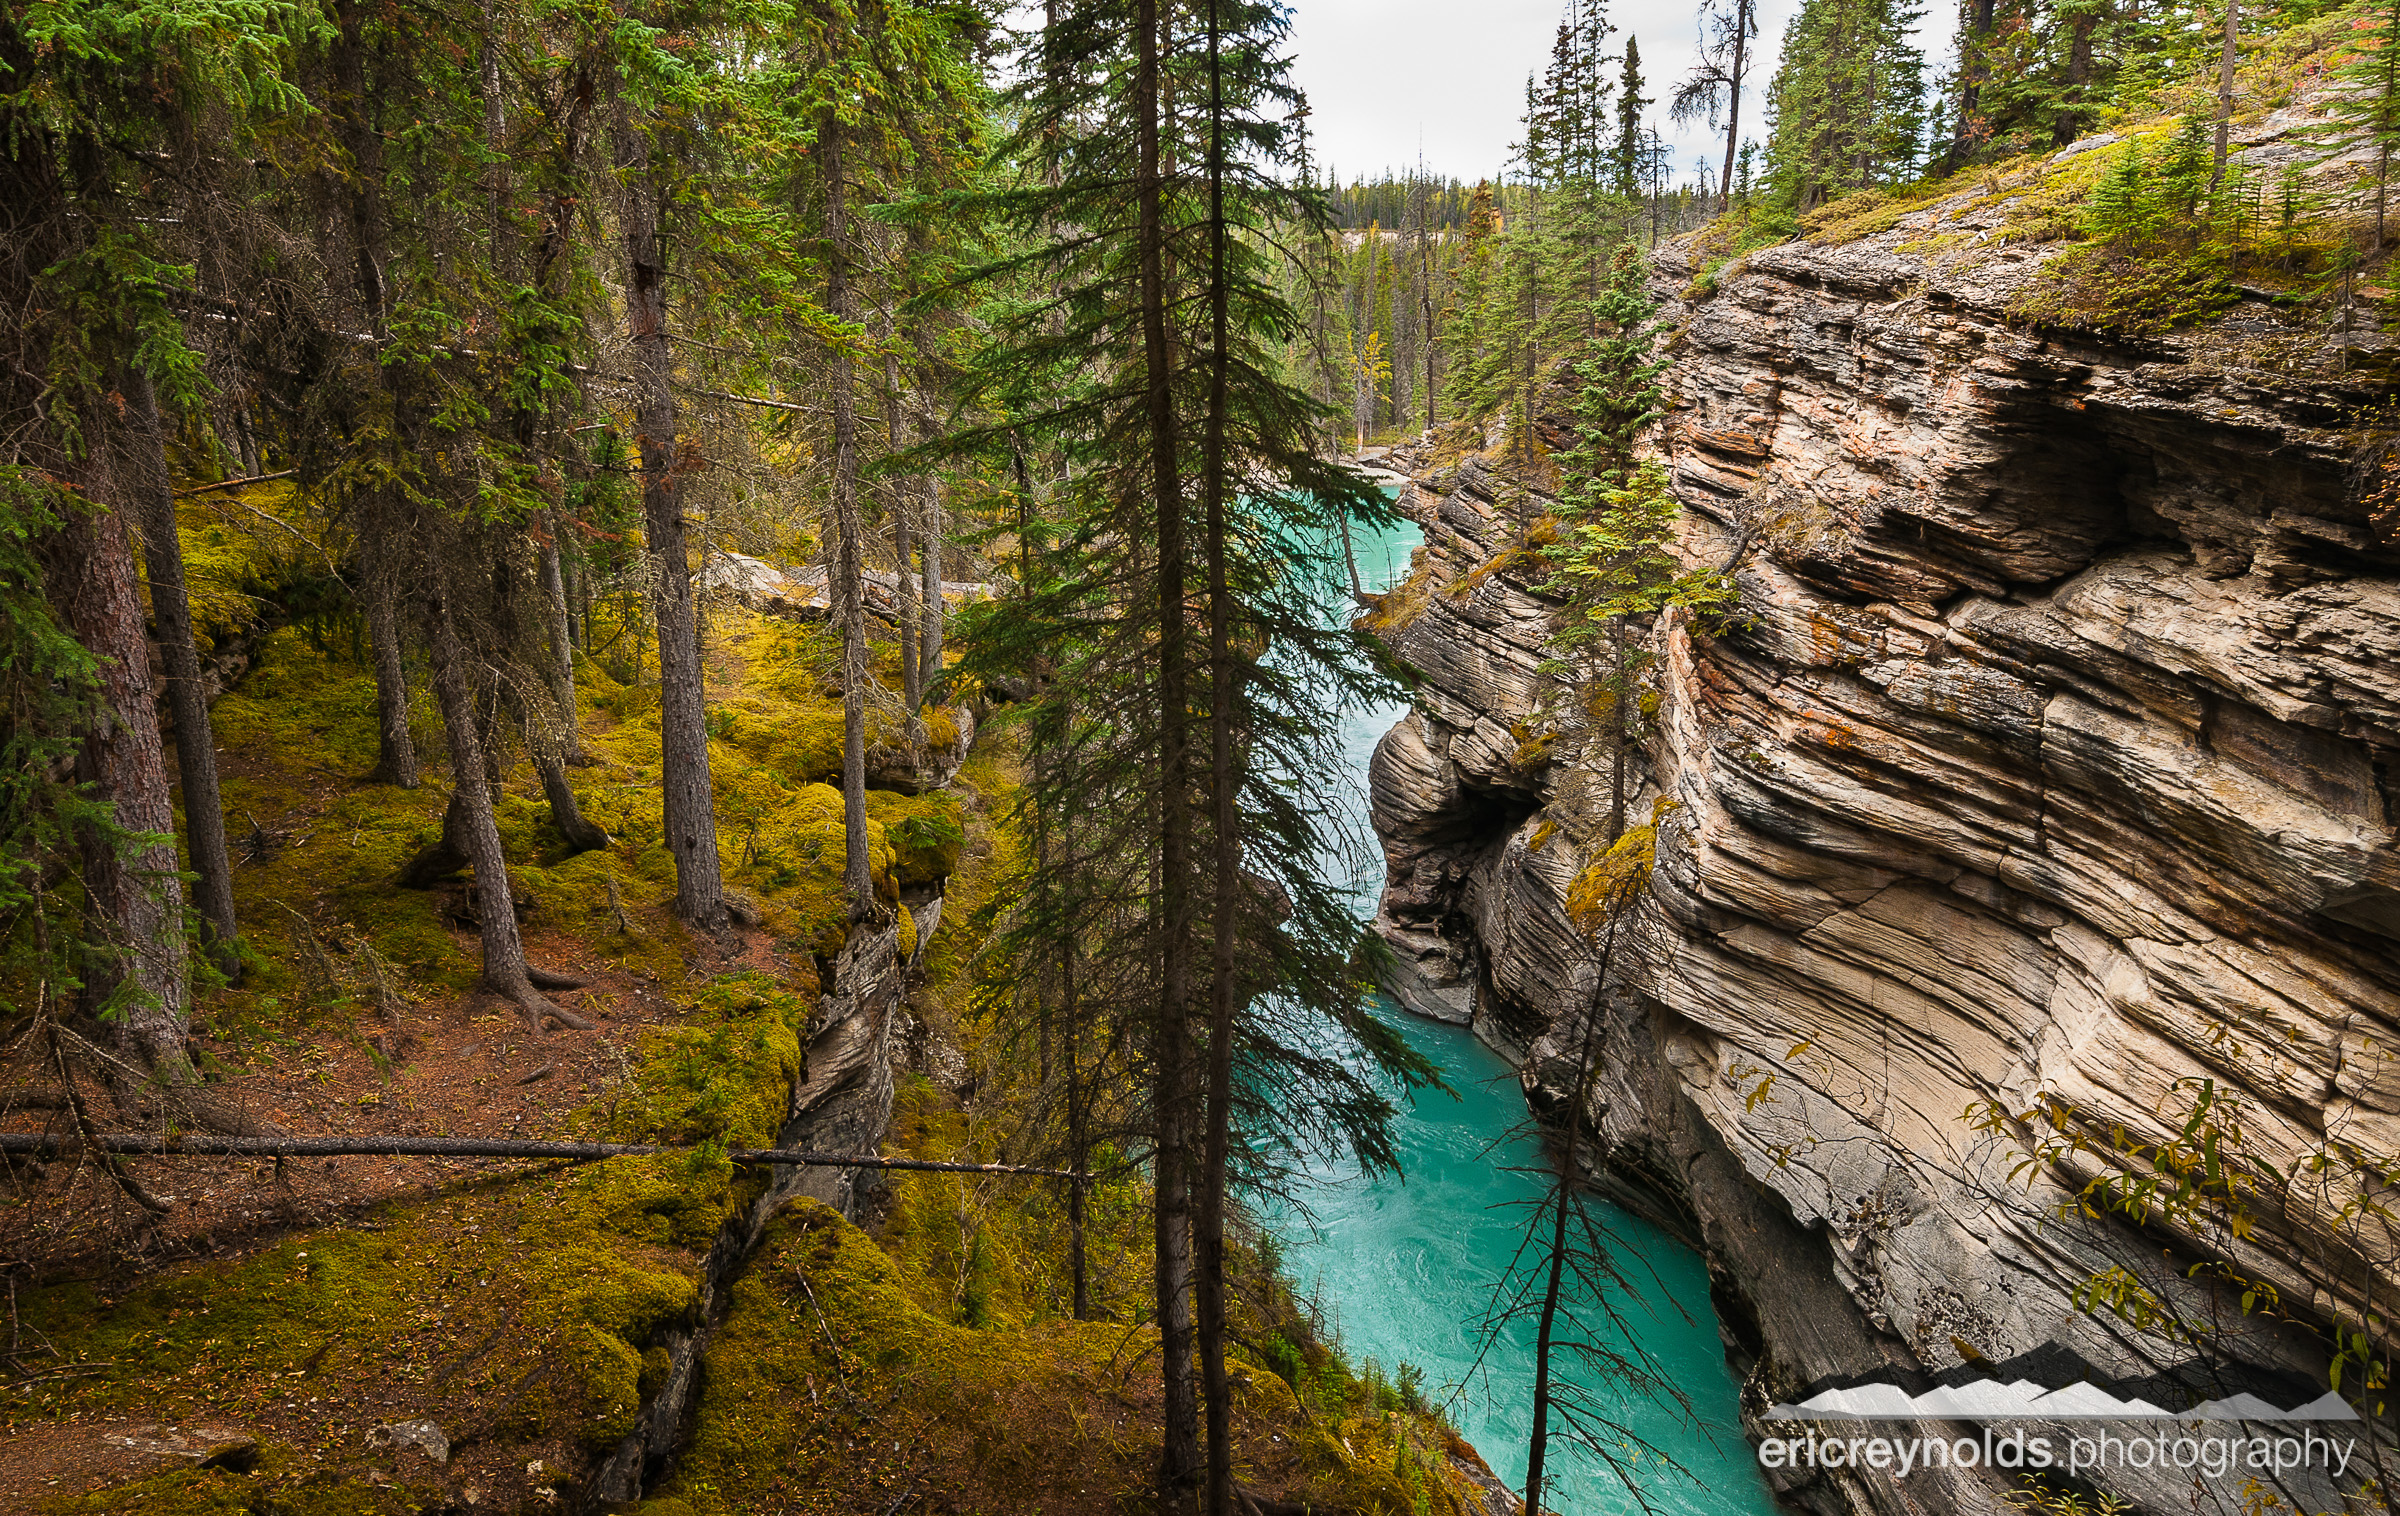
column 1386, row 77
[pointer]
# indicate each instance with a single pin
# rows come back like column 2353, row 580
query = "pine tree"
column 2366, row 110
column 1625, row 160
column 2120, row 205
column 87, row 275
column 1714, row 86
column 1846, row 105
column 1186, row 753
column 2181, row 182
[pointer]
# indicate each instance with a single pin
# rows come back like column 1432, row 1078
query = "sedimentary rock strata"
column 2053, row 751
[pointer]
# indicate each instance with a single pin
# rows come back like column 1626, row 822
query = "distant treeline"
column 1391, row 200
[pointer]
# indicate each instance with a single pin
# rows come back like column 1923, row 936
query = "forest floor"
column 282, row 1336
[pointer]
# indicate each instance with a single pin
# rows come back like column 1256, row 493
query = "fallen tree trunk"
column 200, row 1145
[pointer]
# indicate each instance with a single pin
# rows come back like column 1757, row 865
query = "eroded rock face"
column 2054, row 749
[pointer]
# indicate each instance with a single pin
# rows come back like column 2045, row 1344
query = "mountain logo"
column 2025, row 1400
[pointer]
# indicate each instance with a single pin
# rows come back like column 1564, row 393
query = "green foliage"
column 2199, row 1170
column 2364, row 106
column 2163, row 245
column 1611, row 560
column 1847, row 101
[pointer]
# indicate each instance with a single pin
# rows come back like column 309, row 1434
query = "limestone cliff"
column 2054, row 748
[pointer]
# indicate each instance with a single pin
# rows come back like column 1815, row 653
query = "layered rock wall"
column 2053, row 750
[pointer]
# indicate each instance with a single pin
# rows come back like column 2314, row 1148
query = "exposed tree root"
column 539, row 1008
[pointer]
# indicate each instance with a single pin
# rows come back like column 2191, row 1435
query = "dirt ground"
column 453, row 1067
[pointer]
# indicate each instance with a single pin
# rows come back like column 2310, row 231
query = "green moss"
column 723, row 1074
column 281, row 1480
column 1404, row 602
column 927, row 833
column 524, row 1306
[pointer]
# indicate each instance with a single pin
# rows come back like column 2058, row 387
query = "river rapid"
column 1404, row 1268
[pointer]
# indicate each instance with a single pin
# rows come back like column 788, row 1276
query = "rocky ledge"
column 2054, row 750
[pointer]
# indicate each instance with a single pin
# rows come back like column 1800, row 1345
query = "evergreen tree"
column 1625, row 160
column 1465, row 322
column 1846, row 107
column 95, row 353
column 2366, row 109
column 1186, row 757
column 1714, row 86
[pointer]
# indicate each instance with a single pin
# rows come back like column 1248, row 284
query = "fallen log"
column 203, row 1145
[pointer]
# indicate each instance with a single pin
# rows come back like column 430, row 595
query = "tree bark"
column 561, row 669
column 1424, row 305
column 133, row 901
column 396, row 751
column 383, row 531
column 195, row 738
column 904, row 584
column 846, row 590
column 691, row 820
column 1079, row 1141
column 504, row 970
column 566, row 817
column 1179, row 1465
column 2079, row 77
column 929, row 646
column 1622, row 718
column 1971, row 72
column 1224, row 925
column 1569, row 1179
column 2225, row 66
column 1742, row 11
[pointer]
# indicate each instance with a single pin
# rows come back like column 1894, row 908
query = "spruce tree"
column 2365, row 111
column 1846, row 105
column 1625, row 161
column 1182, row 752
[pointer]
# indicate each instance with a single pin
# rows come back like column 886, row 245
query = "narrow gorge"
column 2050, row 760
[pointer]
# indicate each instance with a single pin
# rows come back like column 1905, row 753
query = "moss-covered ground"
column 289, row 1311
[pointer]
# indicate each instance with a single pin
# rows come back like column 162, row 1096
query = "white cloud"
column 1385, row 77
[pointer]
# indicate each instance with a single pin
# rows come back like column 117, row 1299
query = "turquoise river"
column 1404, row 1268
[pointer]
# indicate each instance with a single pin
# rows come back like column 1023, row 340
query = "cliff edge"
column 2052, row 755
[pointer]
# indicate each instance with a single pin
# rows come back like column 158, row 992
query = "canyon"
column 2049, row 762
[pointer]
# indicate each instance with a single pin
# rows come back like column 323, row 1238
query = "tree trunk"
column 1622, row 748
column 396, row 751
column 504, row 970
column 929, row 646
column 133, row 901
column 246, row 442
column 1179, row 1466
column 2225, row 66
column 1971, row 72
column 566, row 817
column 569, row 736
column 1079, row 1141
column 1225, row 927
column 2079, row 78
column 843, row 576
column 1538, row 1446
column 1733, row 115
column 904, row 584
column 1569, row 1179
column 1425, row 305
column 195, row 738
column 691, row 820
